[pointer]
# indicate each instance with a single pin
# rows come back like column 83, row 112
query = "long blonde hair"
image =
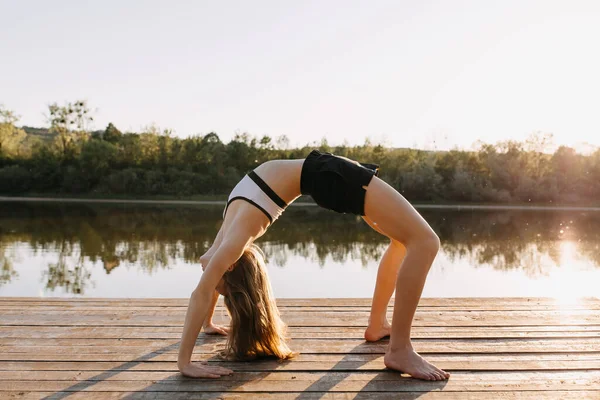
column 256, row 327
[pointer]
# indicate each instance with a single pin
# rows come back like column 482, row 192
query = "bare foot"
column 377, row 332
column 409, row 362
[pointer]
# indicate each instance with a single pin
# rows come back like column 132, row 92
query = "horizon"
column 433, row 75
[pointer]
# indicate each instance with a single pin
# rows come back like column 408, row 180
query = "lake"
column 127, row 250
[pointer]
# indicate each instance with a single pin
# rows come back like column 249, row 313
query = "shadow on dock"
column 175, row 385
column 81, row 386
column 330, row 381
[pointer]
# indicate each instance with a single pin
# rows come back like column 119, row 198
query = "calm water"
column 152, row 251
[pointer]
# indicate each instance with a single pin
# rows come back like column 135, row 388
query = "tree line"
column 69, row 158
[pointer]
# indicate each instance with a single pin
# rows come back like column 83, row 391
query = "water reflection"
column 73, row 238
column 519, row 239
column 7, row 270
column 69, row 271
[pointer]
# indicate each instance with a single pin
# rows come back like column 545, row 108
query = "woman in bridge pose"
column 234, row 266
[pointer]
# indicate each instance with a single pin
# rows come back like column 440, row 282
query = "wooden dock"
column 500, row 348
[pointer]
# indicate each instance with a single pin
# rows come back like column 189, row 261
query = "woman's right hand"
column 204, row 370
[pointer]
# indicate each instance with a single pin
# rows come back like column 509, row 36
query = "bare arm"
column 198, row 309
column 211, row 309
column 205, row 260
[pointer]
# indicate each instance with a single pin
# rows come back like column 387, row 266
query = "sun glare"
column 568, row 253
column 566, row 292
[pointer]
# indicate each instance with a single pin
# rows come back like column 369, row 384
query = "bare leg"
column 379, row 327
column 401, row 222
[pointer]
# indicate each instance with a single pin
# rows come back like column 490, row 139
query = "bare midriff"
column 283, row 176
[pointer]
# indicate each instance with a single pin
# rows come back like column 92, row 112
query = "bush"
column 422, row 182
column 182, row 183
column 96, row 159
column 154, row 182
column 465, row 187
column 121, row 182
column 74, row 180
column 45, row 170
column 14, row 179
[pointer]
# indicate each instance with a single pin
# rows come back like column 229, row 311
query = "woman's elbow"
column 201, row 294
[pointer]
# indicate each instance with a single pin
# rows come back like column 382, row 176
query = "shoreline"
column 7, row 199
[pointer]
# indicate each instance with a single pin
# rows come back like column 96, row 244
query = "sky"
column 426, row 74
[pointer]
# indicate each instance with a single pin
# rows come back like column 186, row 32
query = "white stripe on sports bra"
column 248, row 190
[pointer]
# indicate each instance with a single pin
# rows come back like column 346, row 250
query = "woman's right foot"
column 409, row 362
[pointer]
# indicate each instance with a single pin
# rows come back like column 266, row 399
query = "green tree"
column 96, row 159
column 566, row 166
column 112, row 134
column 70, row 124
column 10, row 136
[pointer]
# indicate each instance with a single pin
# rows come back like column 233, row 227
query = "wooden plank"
column 111, row 306
column 174, row 310
column 296, row 332
column 279, row 376
column 324, row 313
column 385, row 381
column 330, row 301
column 304, row 363
column 500, row 345
column 317, row 302
column 321, row 311
column 479, row 358
column 172, row 357
column 43, row 331
column 325, row 319
column 313, row 395
column 367, row 357
column 318, row 346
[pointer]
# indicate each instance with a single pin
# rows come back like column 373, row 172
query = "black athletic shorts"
column 336, row 183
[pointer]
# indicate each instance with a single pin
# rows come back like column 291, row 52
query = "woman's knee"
column 428, row 243
column 433, row 242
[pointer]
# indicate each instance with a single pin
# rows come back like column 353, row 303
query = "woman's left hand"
column 212, row 329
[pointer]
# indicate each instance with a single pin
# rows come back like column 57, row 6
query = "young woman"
column 234, row 267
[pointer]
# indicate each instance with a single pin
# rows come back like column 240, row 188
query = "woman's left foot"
column 377, row 332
